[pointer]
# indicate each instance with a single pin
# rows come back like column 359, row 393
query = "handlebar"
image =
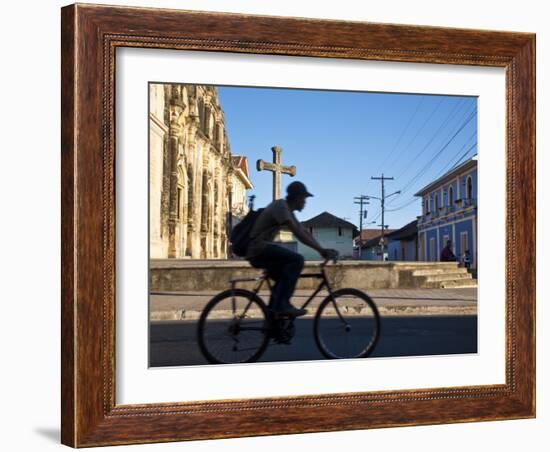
column 326, row 261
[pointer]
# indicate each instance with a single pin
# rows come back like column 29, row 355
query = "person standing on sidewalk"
column 466, row 259
column 447, row 254
column 282, row 265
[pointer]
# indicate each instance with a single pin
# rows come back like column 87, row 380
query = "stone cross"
column 277, row 169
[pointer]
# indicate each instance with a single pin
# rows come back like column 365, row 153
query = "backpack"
column 240, row 235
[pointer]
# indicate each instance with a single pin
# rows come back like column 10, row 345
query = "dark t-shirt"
column 274, row 216
column 447, row 255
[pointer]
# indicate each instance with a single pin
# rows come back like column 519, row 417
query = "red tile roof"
column 240, row 161
column 367, row 234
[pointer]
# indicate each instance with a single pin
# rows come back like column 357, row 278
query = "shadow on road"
column 175, row 344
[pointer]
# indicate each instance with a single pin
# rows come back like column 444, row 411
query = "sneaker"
column 291, row 311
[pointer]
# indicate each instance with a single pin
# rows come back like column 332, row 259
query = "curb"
column 385, row 311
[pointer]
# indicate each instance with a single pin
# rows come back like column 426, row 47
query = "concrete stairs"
column 187, row 275
column 440, row 276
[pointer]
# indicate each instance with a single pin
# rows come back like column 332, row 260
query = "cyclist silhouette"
column 281, row 264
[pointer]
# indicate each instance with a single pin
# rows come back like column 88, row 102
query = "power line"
column 418, row 132
column 441, row 127
column 381, row 166
column 436, row 155
column 377, row 216
column 452, row 114
column 405, row 189
column 403, row 132
column 404, row 205
column 415, row 198
column 447, row 167
column 460, row 159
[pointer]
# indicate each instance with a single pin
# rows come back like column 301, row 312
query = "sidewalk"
column 166, row 306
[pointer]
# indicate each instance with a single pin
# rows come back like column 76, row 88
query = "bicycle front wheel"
column 233, row 328
column 347, row 325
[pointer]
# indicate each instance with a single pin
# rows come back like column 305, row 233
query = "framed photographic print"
column 282, row 225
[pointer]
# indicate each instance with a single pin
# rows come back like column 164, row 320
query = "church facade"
column 197, row 188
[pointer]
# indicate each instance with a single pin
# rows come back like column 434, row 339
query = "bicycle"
column 236, row 325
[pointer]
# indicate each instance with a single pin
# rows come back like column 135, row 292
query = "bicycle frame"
column 280, row 327
column 264, row 278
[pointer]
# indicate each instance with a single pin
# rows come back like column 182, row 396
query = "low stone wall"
column 175, row 275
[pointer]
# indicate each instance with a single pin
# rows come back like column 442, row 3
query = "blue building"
column 449, row 212
column 371, row 249
column 403, row 243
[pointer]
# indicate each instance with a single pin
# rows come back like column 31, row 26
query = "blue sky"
column 338, row 140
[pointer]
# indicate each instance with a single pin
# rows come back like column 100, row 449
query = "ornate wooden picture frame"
column 90, row 36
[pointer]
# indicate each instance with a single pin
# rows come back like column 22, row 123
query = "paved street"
column 173, row 343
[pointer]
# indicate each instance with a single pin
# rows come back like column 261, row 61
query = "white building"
column 331, row 232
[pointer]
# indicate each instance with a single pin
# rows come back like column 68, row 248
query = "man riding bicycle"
column 281, row 264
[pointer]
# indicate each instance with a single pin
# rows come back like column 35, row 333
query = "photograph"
column 270, row 225
column 292, row 224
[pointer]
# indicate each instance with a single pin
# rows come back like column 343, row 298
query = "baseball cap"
column 297, row 189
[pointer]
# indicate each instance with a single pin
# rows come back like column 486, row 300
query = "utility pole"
column 382, row 199
column 361, row 200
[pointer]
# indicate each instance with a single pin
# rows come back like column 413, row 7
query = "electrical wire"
column 461, row 158
column 416, row 198
column 427, row 166
column 417, row 133
column 403, row 132
column 452, row 114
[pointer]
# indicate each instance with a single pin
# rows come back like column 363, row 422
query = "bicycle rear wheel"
column 347, row 325
column 233, row 328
